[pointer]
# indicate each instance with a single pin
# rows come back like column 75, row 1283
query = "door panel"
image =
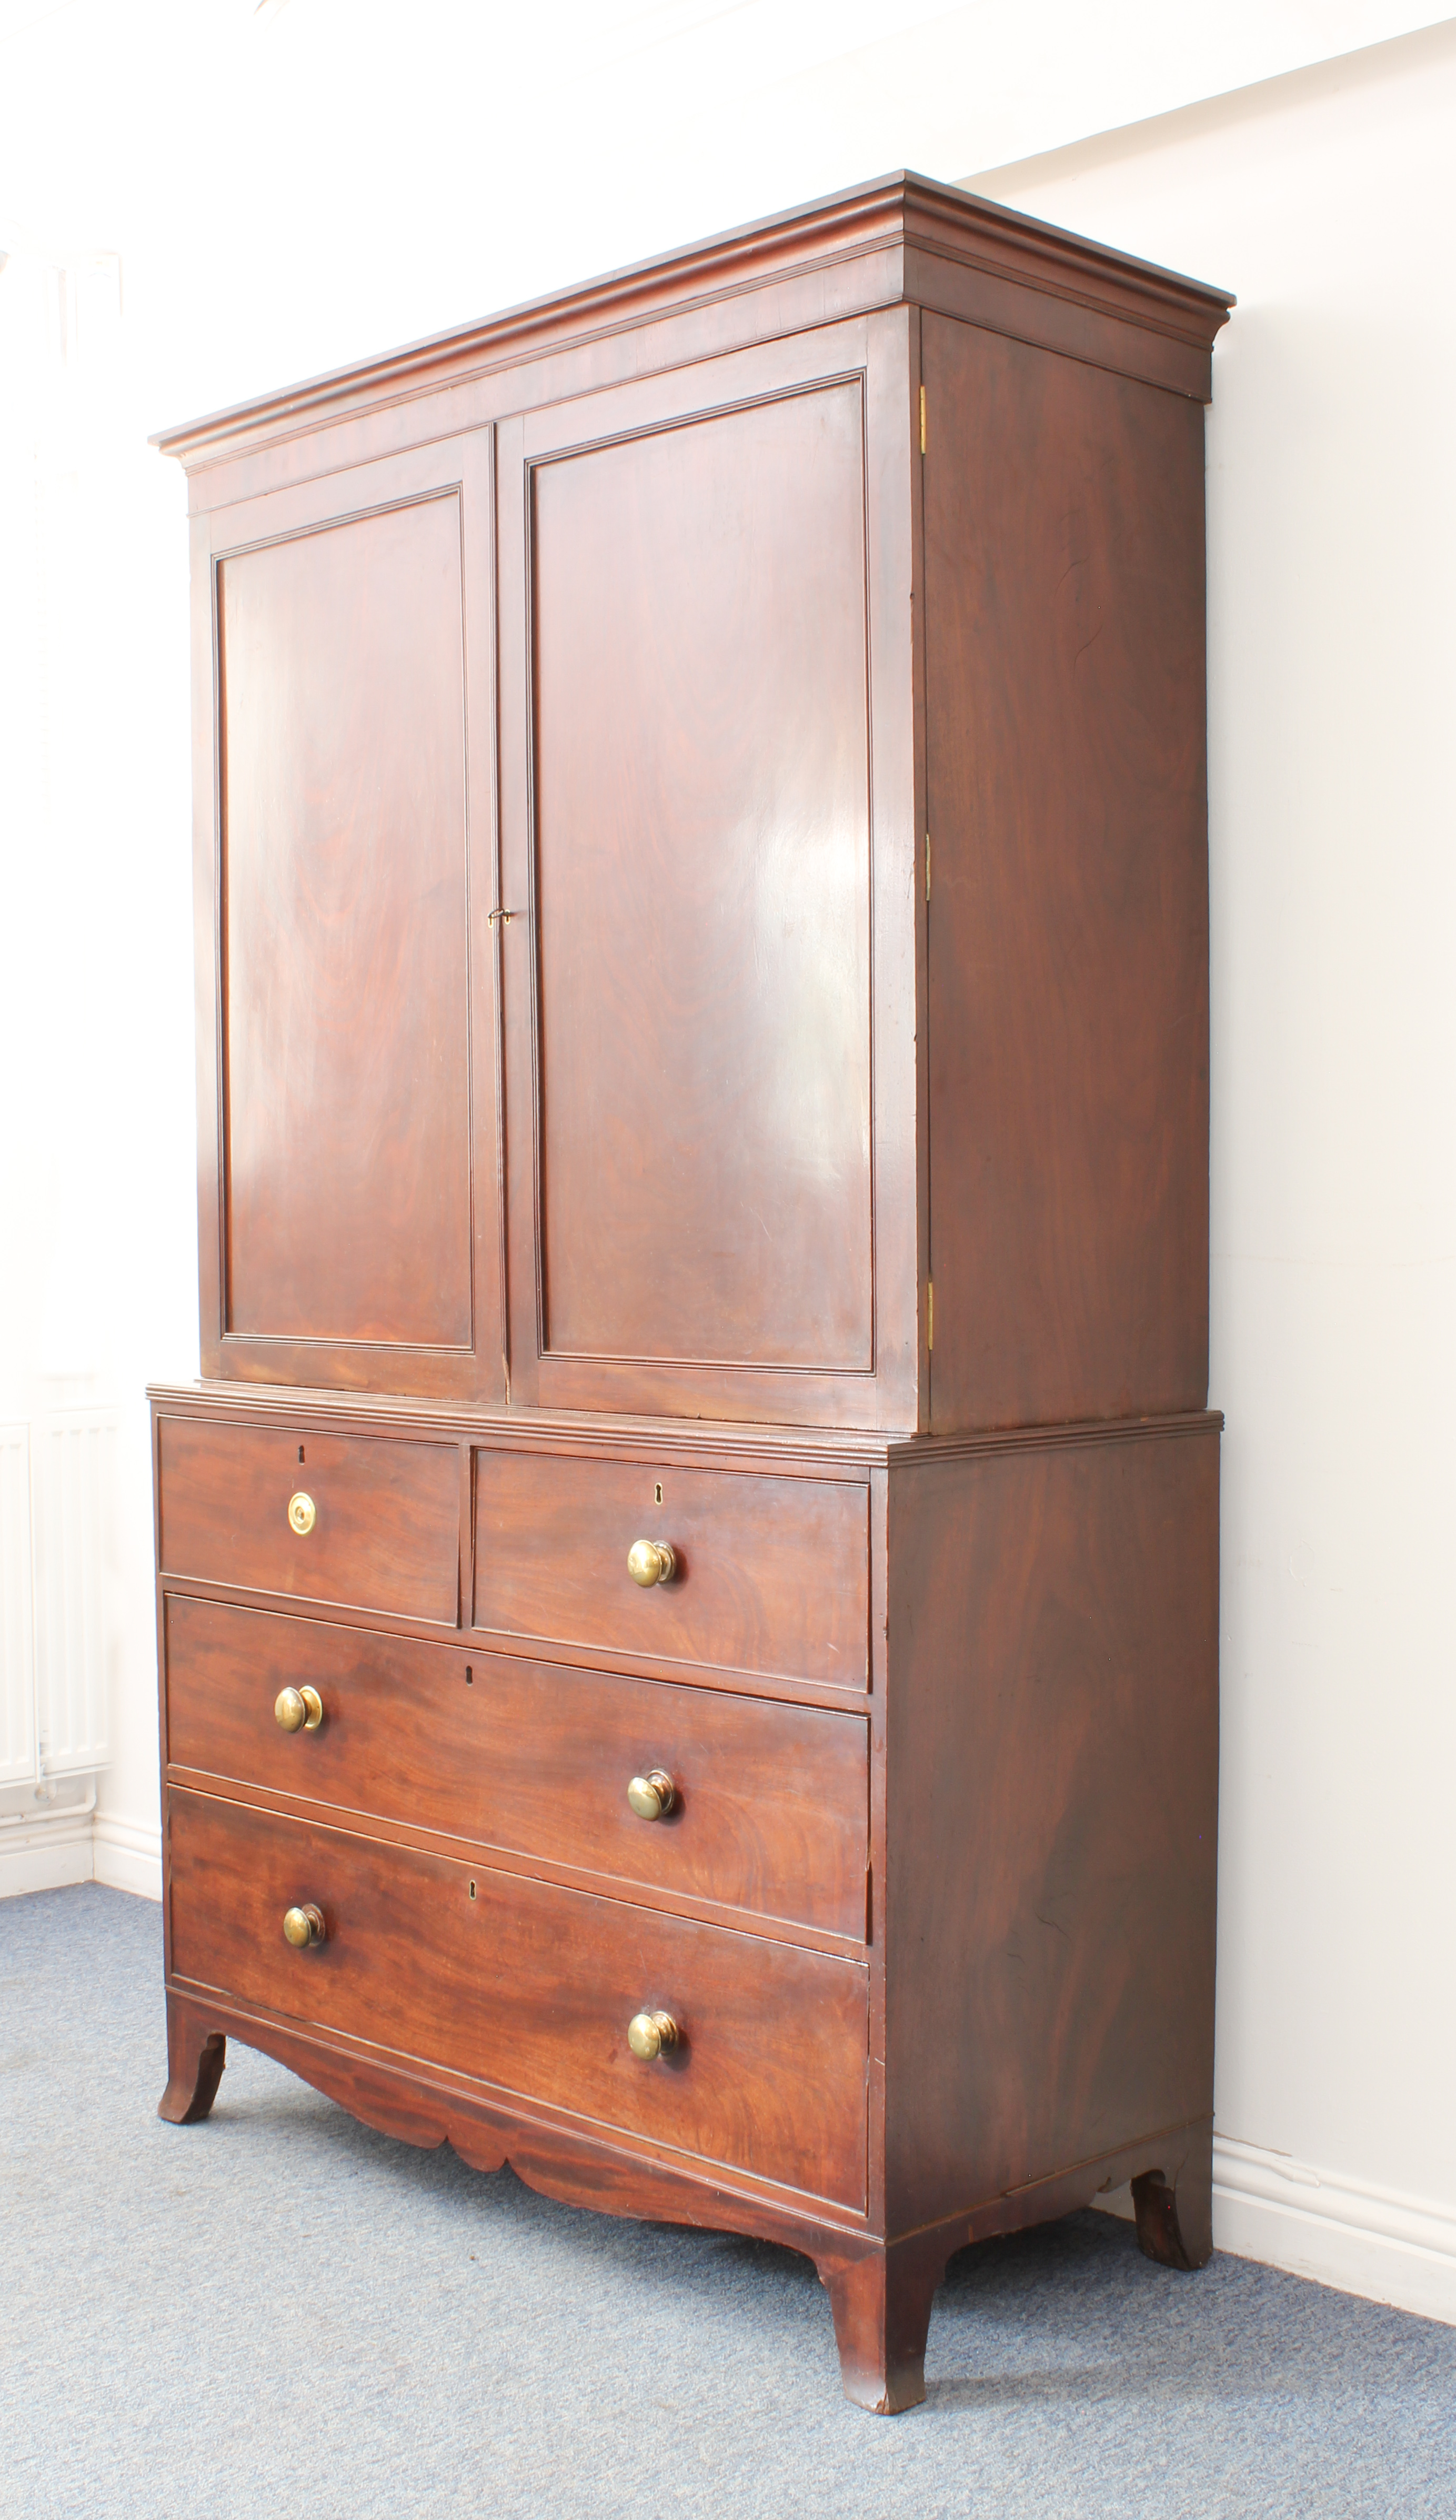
column 346, row 1055
column 709, row 1071
column 356, row 1223
column 697, row 597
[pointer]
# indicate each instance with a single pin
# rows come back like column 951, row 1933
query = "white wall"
column 289, row 188
column 1324, row 200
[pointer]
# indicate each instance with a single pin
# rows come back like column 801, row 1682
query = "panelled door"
column 345, row 870
column 709, row 965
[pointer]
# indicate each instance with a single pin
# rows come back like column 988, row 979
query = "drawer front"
column 531, row 1988
column 385, row 1528
column 772, row 1574
column 771, row 1802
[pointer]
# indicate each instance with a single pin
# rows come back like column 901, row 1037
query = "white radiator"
column 16, row 1628
column 57, row 1615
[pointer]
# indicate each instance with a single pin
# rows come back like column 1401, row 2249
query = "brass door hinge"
column 928, row 865
column 921, row 420
column 929, row 1315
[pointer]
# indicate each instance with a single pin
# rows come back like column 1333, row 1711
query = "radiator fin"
column 17, row 1632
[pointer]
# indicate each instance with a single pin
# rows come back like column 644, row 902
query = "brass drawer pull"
column 304, row 1927
column 302, row 1513
column 298, row 1710
column 651, row 2034
column 651, row 1562
column 650, row 1796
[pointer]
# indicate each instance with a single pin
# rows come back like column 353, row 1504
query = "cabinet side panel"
column 1067, row 922
column 1052, row 1716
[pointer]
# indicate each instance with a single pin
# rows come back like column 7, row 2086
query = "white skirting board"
column 128, row 1855
column 53, row 1854
column 48, row 1854
column 1374, row 2242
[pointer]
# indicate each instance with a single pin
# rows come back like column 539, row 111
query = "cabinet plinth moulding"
column 704, row 1301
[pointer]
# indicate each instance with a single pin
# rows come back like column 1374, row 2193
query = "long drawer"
column 771, row 1574
column 365, row 1520
column 531, row 1988
column 769, row 1810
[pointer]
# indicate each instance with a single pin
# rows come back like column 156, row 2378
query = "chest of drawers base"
column 863, row 1899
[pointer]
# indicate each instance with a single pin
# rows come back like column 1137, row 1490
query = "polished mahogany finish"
column 1056, row 1618
column 702, row 1163
column 1068, row 924
column 529, row 1988
column 383, row 1534
column 770, row 1574
column 343, row 855
column 701, row 794
column 346, row 1049
column 771, row 1809
column 707, row 843
column 902, row 239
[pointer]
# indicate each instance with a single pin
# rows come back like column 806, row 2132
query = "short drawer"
column 770, row 1811
column 382, row 1517
column 531, row 1988
column 771, row 1574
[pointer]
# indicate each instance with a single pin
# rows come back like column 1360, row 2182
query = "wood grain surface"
column 388, row 1530
column 772, row 1801
column 1068, row 924
column 1052, row 1782
column 708, row 995
column 344, row 868
column 773, row 1574
column 703, row 889
column 346, row 1047
column 712, row 847
column 530, row 1988
column 900, row 238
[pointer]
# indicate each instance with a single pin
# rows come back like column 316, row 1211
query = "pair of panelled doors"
column 554, row 904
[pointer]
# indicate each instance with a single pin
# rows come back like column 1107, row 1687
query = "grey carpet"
column 280, row 2316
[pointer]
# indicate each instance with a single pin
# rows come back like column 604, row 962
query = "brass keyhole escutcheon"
column 298, row 1710
column 304, row 1927
column 652, row 1796
column 302, row 1513
column 652, row 2034
column 651, row 1562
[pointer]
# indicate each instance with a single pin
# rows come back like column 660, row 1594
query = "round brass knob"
column 298, row 1710
column 651, row 2034
column 651, row 1561
column 304, row 1927
column 652, row 1795
column 301, row 1515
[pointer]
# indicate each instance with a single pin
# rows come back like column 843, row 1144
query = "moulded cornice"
column 901, row 218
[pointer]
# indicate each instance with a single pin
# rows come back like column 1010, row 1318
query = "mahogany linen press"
column 688, row 1588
